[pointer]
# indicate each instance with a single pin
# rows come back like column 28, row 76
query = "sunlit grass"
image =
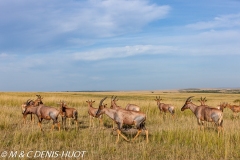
column 170, row 138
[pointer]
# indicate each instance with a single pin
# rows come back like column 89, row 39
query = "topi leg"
column 146, row 131
column 76, row 122
column 40, row 125
column 139, row 131
column 119, row 133
column 59, row 126
column 52, row 127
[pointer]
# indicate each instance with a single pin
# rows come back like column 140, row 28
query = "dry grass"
column 169, row 138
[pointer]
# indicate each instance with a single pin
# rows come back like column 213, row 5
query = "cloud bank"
column 106, row 44
column 42, row 26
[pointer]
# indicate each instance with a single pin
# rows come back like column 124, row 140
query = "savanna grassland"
column 169, row 138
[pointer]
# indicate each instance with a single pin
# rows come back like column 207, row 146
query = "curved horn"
column 102, row 101
column 28, row 102
column 39, row 96
column 189, row 98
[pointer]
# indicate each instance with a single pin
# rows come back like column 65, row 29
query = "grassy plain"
column 169, row 138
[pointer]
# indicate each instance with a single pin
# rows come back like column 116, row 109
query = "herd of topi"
column 131, row 115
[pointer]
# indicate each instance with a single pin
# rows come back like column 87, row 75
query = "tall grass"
column 170, row 138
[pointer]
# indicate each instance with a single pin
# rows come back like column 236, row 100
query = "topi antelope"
column 164, row 107
column 43, row 112
column 222, row 106
column 204, row 113
column 234, row 108
column 32, row 111
column 121, row 116
column 114, row 104
column 31, row 102
column 67, row 112
column 38, row 101
column 48, row 113
column 130, row 107
column 92, row 114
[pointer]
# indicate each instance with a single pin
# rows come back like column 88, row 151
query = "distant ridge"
column 211, row 90
column 92, row 91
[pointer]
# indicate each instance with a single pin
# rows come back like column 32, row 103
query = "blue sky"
column 57, row 45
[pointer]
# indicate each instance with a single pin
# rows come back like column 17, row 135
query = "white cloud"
column 225, row 21
column 65, row 41
column 3, row 55
column 219, row 42
column 122, row 52
column 6, row 56
column 92, row 17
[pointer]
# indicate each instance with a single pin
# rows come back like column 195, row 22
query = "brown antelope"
column 202, row 102
column 92, row 114
column 204, row 113
column 43, row 112
column 67, row 112
column 164, row 107
column 24, row 105
column 122, row 116
column 48, row 113
column 38, row 101
column 130, row 107
column 222, row 106
column 234, row 108
column 35, row 103
column 115, row 106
